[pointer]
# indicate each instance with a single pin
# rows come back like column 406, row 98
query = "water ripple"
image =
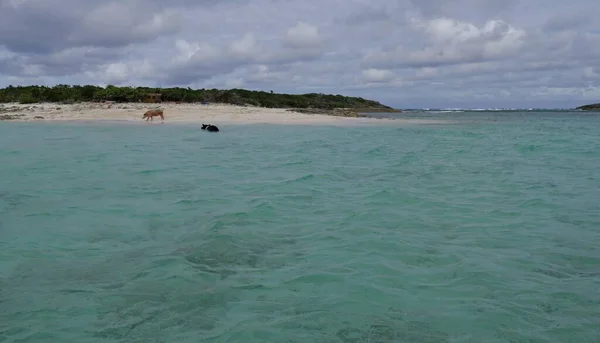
column 460, row 233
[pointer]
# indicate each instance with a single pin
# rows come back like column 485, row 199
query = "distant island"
column 590, row 107
column 317, row 103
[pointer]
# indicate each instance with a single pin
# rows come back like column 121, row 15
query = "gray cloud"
column 406, row 53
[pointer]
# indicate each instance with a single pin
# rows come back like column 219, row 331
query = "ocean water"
column 484, row 230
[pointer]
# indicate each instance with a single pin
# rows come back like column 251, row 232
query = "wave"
column 491, row 109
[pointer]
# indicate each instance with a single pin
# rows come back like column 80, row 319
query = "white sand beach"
column 185, row 113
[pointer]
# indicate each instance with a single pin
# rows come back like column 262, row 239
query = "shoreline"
column 186, row 113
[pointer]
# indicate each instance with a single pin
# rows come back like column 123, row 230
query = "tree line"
column 590, row 107
column 88, row 93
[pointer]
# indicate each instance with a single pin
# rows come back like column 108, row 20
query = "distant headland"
column 590, row 107
column 311, row 103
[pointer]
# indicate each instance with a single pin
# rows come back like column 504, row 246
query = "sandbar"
column 187, row 113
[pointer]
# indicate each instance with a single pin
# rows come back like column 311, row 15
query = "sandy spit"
column 216, row 114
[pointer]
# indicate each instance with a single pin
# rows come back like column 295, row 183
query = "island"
column 312, row 103
column 590, row 107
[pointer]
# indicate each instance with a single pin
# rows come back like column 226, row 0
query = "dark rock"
column 11, row 116
column 340, row 112
column 10, row 109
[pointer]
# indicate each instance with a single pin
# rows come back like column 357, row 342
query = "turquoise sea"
column 484, row 230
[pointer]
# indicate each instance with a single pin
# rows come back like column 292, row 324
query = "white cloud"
column 245, row 47
column 303, row 35
column 450, row 42
column 407, row 53
column 377, row 75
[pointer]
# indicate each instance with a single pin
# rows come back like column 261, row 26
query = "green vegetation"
column 591, row 107
column 73, row 94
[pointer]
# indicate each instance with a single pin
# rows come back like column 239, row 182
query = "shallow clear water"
column 481, row 231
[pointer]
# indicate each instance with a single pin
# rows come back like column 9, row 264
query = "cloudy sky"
column 404, row 53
